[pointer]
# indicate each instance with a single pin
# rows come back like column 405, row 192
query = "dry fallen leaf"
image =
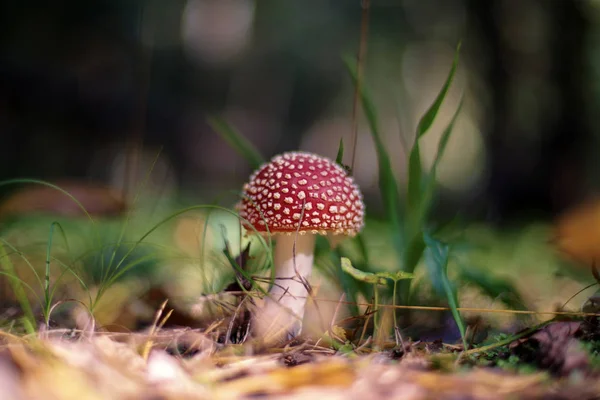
column 102, row 368
column 282, row 380
column 577, row 233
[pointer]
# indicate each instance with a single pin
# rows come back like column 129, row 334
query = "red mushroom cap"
column 302, row 192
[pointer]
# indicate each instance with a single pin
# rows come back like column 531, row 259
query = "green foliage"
column 421, row 187
column 17, row 286
column 436, row 257
column 416, row 181
column 430, row 181
column 409, row 225
column 109, row 257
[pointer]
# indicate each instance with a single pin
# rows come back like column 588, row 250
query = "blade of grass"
column 415, row 173
column 17, row 286
column 22, row 256
column 46, row 305
column 436, row 256
column 339, row 158
column 388, row 186
column 106, row 269
column 67, row 269
column 47, row 297
column 96, row 234
column 418, row 196
column 114, row 277
column 170, row 217
column 238, row 268
column 506, row 341
column 430, row 180
column 238, row 142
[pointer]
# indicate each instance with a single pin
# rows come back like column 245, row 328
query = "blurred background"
column 81, row 83
column 116, row 93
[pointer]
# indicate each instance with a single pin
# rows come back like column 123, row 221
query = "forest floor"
column 554, row 361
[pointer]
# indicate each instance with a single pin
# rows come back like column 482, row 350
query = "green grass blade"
column 17, row 286
column 66, row 269
column 46, row 304
column 129, row 215
column 238, row 142
column 430, row 181
column 28, row 326
column 416, row 246
column 420, row 189
column 117, row 274
column 170, row 217
column 53, row 225
column 5, row 254
column 427, row 120
column 388, row 186
column 436, row 256
column 96, row 234
column 339, row 158
column 415, row 183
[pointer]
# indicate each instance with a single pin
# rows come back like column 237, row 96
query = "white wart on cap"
column 302, row 192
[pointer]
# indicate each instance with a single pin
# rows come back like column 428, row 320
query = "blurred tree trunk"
column 535, row 164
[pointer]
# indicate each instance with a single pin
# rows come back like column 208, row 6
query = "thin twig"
column 364, row 330
column 467, row 309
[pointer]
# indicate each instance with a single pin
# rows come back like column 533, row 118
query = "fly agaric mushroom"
column 295, row 197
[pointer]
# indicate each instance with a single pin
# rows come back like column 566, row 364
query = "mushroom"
column 294, row 197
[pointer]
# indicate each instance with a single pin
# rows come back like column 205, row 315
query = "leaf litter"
column 66, row 364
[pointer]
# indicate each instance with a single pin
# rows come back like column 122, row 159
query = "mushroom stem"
column 284, row 309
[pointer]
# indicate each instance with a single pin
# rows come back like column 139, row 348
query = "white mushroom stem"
column 284, row 309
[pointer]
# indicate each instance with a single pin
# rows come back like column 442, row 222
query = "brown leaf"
column 577, row 233
column 96, row 199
